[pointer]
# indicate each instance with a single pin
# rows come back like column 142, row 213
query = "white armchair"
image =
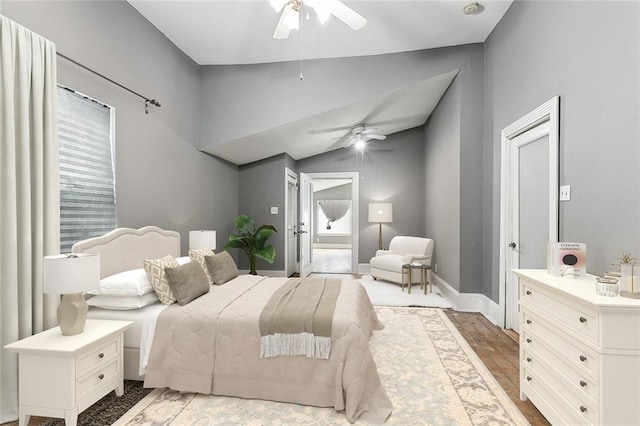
column 387, row 264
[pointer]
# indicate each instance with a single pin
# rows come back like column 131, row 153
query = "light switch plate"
column 274, row 210
column 565, row 193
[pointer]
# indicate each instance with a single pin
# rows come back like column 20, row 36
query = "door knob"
column 512, row 244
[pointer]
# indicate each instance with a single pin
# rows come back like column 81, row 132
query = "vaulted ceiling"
column 215, row 32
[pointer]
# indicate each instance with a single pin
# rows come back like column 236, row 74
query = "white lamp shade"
column 76, row 273
column 202, row 240
column 380, row 212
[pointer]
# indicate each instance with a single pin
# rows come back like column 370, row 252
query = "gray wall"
column 442, row 184
column 262, row 186
column 392, row 171
column 161, row 179
column 588, row 53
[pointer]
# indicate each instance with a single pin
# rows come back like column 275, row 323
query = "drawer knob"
column 528, row 359
column 583, row 358
column 528, row 340
column 101, row 355
column 528, row 292
column 101, row 376
column 583, row 383
column 583, row 319
column 528, row 321
column 529, row 378
column 583, row 408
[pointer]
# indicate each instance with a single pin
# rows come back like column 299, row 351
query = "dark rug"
column 110, row 408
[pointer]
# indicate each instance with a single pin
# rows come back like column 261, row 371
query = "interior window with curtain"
column 87, row 183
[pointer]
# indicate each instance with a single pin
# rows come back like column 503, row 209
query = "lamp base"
column 72, row 314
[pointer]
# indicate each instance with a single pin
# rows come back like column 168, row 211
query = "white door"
column 291, row 219
column 304, row 228
column 529, row 200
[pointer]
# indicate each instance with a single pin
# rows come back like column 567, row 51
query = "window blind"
column 87, row 193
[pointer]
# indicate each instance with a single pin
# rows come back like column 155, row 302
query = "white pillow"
column 127, row 283
column 182, row 260
column 121, row 303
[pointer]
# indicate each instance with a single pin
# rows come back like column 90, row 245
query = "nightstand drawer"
column 94, row 379
column 95, row 357
column 581, row 320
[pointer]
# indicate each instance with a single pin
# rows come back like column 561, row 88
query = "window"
column 87, row 190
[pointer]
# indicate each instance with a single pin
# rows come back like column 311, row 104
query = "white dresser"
column 60, row 376
column 579, row 352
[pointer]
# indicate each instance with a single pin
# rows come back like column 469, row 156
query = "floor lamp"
column 380, row 213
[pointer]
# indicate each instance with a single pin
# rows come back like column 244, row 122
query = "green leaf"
column 267, row 254
column 245, row 225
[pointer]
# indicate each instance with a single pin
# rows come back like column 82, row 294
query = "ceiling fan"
column 358, row 136
column 290, row 17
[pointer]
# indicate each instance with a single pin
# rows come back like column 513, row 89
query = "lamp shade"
column 380, row 212
column 202, row 240
column 74, row 273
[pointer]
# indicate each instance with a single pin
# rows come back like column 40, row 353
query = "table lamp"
column 380, row 213
column 202, row 240
column 71, row 275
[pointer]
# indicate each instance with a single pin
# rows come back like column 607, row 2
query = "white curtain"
column 334, row 209
column 29, row 194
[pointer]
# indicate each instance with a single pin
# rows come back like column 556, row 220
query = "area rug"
column 430, row 373
column 384, row 293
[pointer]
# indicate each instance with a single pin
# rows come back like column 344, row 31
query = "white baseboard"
column 266, row 273
column 363, row 268
column 469, row 302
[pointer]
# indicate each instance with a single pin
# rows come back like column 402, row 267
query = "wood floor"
column 499, row 351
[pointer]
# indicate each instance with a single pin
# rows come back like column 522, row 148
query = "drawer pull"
column 529, row 378
column 528, row 292
column 528, row 321
column 528, row 359
column 583, row 358
column 583, row 408
column 583, row 383
column 101, row 355
column 101, row 376
column 528, row 340
column 583, row 320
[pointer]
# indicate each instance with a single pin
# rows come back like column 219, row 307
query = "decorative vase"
column 629, row 280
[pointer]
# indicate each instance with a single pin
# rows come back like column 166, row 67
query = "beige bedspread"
column 212, row 345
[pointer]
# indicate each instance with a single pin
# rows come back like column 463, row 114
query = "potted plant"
column 252, row 241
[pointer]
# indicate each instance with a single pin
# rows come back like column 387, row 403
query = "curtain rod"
column 147, row 101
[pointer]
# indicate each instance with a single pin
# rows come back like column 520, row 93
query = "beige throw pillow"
column 154, row 269
column 198, row 256
column 187, row 282
column 222, row 267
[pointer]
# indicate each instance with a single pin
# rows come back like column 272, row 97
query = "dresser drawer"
column 537, row 334
column 583, row 384
column 579, row 319
column 97, row 377
column 555, row 394
column 93, row 358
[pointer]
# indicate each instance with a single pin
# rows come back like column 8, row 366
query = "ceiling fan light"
column 323, row 13
column 277, row 5
column 359, row 143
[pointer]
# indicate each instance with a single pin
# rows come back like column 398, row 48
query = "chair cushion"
column 389, row 262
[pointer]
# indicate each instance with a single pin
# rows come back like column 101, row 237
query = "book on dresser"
column 579, row 351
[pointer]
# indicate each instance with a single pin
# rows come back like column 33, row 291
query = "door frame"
column 549, row 111
column 355, row 208
column 291, row 224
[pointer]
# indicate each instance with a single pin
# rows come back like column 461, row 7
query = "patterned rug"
column 430, row 373
column 385, row 293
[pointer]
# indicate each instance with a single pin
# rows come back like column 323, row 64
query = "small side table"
column 425, row 276
column 60, row 376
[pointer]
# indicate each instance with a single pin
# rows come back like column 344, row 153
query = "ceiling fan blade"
column 346, row 14
column 282, row 29
column 342, row 142
column 377, row 137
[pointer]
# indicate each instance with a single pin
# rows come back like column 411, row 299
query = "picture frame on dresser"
column 579, row 351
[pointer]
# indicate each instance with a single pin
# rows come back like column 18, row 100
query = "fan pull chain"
column 301, row 76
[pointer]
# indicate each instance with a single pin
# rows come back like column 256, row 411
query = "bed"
column 212, row 344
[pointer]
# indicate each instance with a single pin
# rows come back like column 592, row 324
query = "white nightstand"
column 61, row 376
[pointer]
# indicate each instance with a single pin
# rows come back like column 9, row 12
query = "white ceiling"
column 217, row 32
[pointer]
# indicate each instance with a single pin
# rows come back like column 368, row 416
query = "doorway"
column 529, row 200
column 329, row 222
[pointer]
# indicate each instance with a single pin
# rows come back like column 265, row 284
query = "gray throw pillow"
column 187, row 282
column 222, row 267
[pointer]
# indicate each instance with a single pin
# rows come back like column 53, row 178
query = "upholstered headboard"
column 126, row 248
